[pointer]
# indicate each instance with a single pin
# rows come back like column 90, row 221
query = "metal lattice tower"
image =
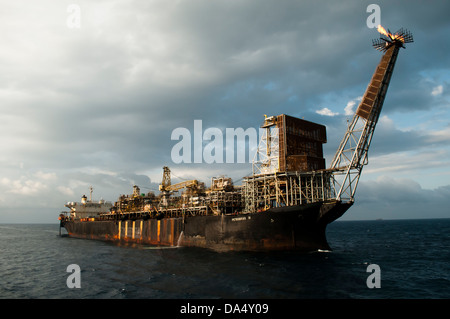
column 266, row 159
column 352, row 153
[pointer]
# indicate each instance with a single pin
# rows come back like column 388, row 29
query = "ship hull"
column 285, row 228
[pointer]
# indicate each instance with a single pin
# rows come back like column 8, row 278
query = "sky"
column 91, row 91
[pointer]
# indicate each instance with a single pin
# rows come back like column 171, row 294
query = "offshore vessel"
column 285, row 204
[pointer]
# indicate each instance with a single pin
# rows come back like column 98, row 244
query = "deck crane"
column 167, row 188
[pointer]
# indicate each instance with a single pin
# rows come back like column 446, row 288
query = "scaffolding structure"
column 261, row 192
column 289, row 168
column 266, row 159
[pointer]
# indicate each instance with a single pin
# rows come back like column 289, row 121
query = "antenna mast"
column 91, row 189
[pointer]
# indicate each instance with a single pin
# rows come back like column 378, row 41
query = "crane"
column 352, row 153
column 167, row 186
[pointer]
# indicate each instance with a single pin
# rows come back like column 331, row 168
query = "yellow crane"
column 167, row 186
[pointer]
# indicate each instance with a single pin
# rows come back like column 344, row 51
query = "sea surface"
column 413, row 257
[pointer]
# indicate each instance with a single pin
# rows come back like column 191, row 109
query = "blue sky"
column 96, row 105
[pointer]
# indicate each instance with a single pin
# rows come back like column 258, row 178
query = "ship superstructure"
column 87, row 208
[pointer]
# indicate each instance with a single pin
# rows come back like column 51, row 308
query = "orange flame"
column 382, row 30
column 390, row 35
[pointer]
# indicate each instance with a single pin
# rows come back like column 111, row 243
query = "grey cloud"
column 399, row 199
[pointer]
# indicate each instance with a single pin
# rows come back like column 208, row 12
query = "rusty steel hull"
column 285, row 228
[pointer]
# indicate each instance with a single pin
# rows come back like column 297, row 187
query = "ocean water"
column 412, row 255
